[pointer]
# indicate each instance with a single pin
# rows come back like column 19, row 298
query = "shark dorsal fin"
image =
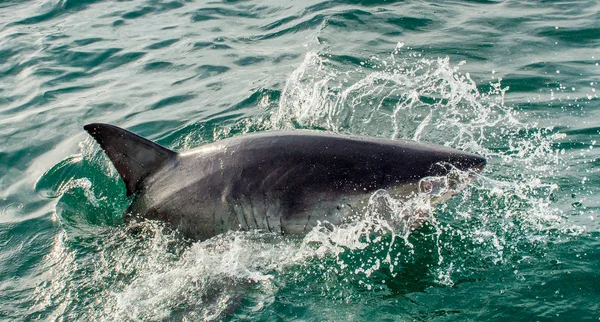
column 134, row 156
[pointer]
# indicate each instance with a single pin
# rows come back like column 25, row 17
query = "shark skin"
column 284, row 182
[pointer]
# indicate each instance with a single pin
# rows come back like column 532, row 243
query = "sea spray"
column 149, row 272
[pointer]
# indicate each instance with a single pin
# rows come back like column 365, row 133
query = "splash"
column 410, row 97
column 146, row 272
column 423, row 99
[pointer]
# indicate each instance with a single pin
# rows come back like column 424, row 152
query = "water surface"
column 514, row 81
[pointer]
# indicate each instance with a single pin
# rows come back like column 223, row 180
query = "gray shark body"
column 283, row 182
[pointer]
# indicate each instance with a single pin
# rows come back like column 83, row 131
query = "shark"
column 284, row 182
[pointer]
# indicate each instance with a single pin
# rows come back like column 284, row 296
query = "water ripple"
column 516, row 81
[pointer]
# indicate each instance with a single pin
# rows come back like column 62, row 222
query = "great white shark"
column 284, row 182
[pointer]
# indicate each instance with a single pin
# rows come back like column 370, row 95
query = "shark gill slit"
column 264, row 200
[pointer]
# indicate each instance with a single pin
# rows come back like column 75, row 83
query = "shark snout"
column 470, row 162
column 459, row 175
column 479, row 164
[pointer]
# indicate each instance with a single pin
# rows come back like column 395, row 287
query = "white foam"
column 151, row 275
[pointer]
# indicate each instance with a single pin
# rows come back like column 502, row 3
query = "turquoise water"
column 515, row 81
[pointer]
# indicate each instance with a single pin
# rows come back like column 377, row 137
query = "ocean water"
column 514, row 81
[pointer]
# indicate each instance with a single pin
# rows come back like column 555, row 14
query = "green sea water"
column 514, row 81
